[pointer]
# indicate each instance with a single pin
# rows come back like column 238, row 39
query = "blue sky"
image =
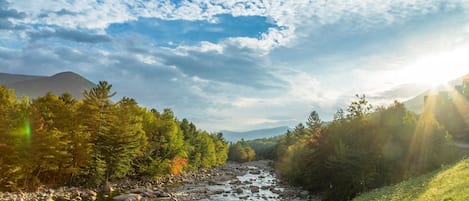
column 242, row 65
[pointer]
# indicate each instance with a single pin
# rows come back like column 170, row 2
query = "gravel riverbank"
column 233, row 181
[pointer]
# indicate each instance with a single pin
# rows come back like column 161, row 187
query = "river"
column 246, row 181
column 253, row 181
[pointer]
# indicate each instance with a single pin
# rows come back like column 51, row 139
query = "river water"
column 253, row 181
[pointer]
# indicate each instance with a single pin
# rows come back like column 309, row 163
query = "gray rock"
column 247, row 182
column 254, row 189
column 128, row 197
column 235, row 182
column 138, row 190
column 163, row 194
column 276, row 191
column 239, row 190
column 218, row 191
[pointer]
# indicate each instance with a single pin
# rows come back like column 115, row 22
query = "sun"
column 436, row 69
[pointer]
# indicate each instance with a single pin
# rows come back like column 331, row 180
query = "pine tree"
column 97, row 118
column 314, row 122
column 125, row 138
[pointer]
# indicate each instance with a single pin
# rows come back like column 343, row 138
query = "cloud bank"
column 239, row 64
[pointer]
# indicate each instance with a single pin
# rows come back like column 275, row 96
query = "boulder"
column 128, row 197
column 276, row 191
column 218, row 191
column 235, row 182
column 254, row 189
column 163, row 194
column 138, row 190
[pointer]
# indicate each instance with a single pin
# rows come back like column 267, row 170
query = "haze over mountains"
column 234, row 136
column 34, row 86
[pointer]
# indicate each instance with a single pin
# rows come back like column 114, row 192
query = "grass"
column 450, row 183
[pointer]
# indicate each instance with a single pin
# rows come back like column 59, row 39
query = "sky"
column 242, row 64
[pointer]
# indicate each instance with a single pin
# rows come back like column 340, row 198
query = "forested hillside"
column 363, row 149
column 57, row 140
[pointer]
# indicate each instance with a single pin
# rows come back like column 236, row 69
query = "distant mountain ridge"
column 34, row 86
column 6, row 78
column 234, row 136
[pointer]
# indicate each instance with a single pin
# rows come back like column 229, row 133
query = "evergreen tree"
column 314, row 122
column 97, row 118
column 125, row 138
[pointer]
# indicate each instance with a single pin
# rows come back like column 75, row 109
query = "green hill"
column 448, row 183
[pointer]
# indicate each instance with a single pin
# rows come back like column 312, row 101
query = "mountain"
column 34, row 86
column 415, row 104
column 234, row 136
column 6, row 78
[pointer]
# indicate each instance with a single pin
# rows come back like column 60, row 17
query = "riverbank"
column 233, row 181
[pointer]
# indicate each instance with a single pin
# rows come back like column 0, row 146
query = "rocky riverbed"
column 233, row 181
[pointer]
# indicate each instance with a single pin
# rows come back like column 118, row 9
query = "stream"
column 246, row 181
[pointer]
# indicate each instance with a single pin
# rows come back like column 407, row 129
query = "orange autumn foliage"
column 177, row 165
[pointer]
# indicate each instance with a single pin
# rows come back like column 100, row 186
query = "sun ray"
column 416, row 150
column 461, row 104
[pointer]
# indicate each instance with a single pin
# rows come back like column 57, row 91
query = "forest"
column 59, row 140
column 361, row 149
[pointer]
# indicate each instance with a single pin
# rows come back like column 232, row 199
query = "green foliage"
column 447, row 183
column 362, row 150
column 264, row 148
column 241, row 152
column 57, row 140
column 14, row 140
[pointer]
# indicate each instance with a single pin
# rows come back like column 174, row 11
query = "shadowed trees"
column 57, row 140
column 362, row 149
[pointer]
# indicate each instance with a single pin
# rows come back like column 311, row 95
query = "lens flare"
column 27, row 129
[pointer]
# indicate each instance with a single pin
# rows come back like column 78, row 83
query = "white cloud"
column 291, row 14
column 147, row 59
column 203, row 46
column 228, row 104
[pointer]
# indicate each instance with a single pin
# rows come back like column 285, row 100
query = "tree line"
column 362, row 149
column 57, row 140
column 241, row 152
